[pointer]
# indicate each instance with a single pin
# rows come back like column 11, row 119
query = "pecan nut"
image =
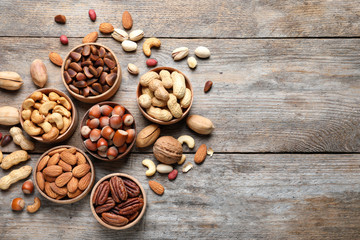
column 109, row 204
column 132, row 217
column 132, row 188
column 113, row 219
column 101, row 193
column 129, row 207
column 118, row 189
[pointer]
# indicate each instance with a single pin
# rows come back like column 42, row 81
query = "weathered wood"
column 230, row 196
column 285, row 95
column 185, row 19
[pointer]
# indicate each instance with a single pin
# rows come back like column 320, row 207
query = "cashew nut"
column 182, row 160
column 51, row 135
column 36, row 117
column 63, row 111
column 37, row 105
column 57, row 119
column 36, row 96
column 44, row 99
column 67, row 123
column 53, row 96
column 28, row 103
column 188, row 140
column 19, row 139
column 145, row 101
column 26, row 114
column 64, row 102
column 46, row 107
column 33, row 208
column 148, row 44
column 1, row 156
column 46, row 126
column 31, row 129
column 151, row 165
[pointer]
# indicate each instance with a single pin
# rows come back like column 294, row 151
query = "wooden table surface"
column 285, row 103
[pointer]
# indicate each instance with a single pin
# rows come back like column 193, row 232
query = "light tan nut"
column 37, row 105
column 43, row 162
column 136, row 35
column 51, row 135
column 159, row 91
column 28, row 103
column 174, row 106
column 46, row 107
column 182, row 160
column 166, row 79
column 1, row 156
column 180, row 53
column 129, row 46
column 80, row 158
column 133, row 69
column 120, row 35
column 179, row 85
column 67, row 123
column 63, row 111
column 38, row 73
column 210, row 152
column 148, row 135
column 46, row 126
column 14, row 158
column 35, row 206
column 202, row 52
column 146, row 90
column 57, row 119
column 26, row 114
column 192, row 63
column 164, row 168
column 186, row 100
column 9, row 116
column 10, row 80
column 19, row 139
column 148, row 77
column 106, row 28
column 45, row 98
column 190, row 142
column 14, row 176
column 151, row 167
column 53, row 96
column 36, row 117
column 200, row 124
column 158, row 103
column 31, row 129
column 36, row 96
column 64, row 102
column 148, row 44
column 145, row 101
column 160, row 114
column 187, row 167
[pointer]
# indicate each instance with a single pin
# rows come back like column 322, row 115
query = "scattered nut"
column 133, row 69
column 182, row 160
column 35, row 206
column 127, row 21
column 17, row 204
column 38, row 73
column 149, row 43
column 28, row 187
column 92, row 15
column 173, row 174
column 151, row 165
column 152, row 62
column 190, row 142
column 180, row 53
column 187, row 167
column 164, row 168
column 207, row 86
column 192, row 63
column 55, row 58
column 210, row 152
column 60, row 19
column 129, row 46
column 136, row 35
column 120, row 35
column 202, row 52
column 19, row 139
column 6, row 140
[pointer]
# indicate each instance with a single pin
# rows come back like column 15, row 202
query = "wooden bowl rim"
column 81, row 97
column 175, row 120
column 137, row 218
column 74, row 116
column 95, row 155
column 66, row 201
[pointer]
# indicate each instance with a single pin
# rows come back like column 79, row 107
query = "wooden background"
column 285, row 104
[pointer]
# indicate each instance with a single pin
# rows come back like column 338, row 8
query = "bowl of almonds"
column 64, row 174
column 164, row 95
column 118, row 201
column 48, row 115
column 91, row 73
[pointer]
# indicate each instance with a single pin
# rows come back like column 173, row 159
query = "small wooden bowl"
column 172, row 121
column 66, row 201
column 95, row 155
column 101, row 97
column 137, row 218
column 74, row 117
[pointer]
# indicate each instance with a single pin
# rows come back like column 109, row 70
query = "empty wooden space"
column 285, row 103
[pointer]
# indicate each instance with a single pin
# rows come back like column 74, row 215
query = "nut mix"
column 90, row 70
column 118, row 201
column 46, row 115
column 109, row 131
column 63, row 173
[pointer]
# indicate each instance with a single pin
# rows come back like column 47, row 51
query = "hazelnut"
column 85, row 131
column 102, row 145
column 102, row 153
column 90, row 145
column 131, row 136
column 28, row 187
column 104, row 121
column 95, row 112
column 112, row 153
column 106, row 110
column 118, row 110
column 17, row 204
column 95, row 134
column 123, row 148
column 115, row 122
column 128, row 119
column 119, row 138
column 93, row 123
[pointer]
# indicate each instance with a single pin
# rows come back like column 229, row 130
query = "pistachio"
column 202, row 52
column 136, row 35
column 120, row 35
column 192, row 62
column 129, row 46
column 180, row 53
column 133, row 69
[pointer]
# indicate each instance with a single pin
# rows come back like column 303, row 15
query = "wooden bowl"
column 137, row 218
column 95, row 155
column 101, row 97
column 66, row 201
column 172, row 121
column 74, row 117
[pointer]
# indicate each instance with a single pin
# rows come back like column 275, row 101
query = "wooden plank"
column 187, row 19
column 242, row 196
column 285, row 95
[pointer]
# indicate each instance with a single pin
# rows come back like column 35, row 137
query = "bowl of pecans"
column 91, row 73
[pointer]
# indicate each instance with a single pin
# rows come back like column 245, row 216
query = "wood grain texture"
column 186, row 19
column 283, row 95
column 230, row 196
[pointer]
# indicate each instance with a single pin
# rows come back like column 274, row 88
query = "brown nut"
column 167, row 150
column 148, row 135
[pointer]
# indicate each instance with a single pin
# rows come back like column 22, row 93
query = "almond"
column 106, row 28
column 43, row 162
column 66, row 167
column 74, row 194
column 156, row 187
column 80, row 158
column 73, row 184
column 91, row 37
column 40, row 180
column 55, row 58
column 63, row 179
column 49, row 191
column 54, row 159
column 60, row 191
column 127, row 21
column 200, row 154
column 84, row 181
column 81, row 170
column 59, row 150
column 49, row 179
column 68, row 157
column 53, row 170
